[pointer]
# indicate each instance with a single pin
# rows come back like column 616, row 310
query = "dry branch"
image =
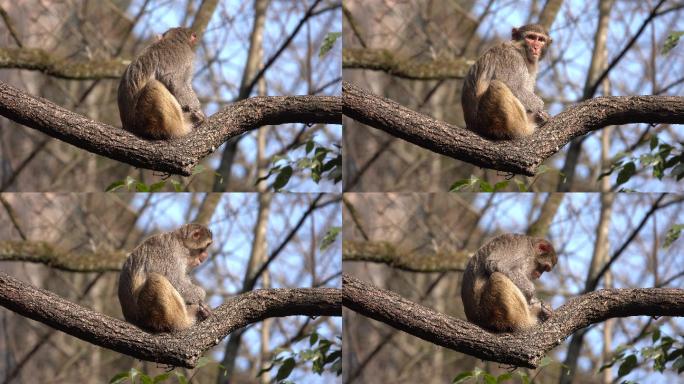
column 521, row 349
column 387, row 253
column 387, row 61
column 521, row 156
column 65, row 260
column 180, row 349
column 177, row 156
column 37, row 59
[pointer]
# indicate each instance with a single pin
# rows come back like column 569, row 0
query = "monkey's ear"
column 515, row 34
column 545, row 247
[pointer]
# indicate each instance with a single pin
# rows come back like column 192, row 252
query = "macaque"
column 498, row 92
column 498, row 290
column 155, row 290
column 156, row 99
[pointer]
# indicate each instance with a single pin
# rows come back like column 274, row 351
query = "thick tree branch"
column 386, row 253
column 46, row 253
column 386, row 61
column 180, row 349
column 522, row 349
column 41, row 60
column 177, row 156
column 521, row 156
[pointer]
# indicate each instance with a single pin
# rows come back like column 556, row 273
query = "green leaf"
column 460, row 185
column 329, row 238
column 114, row 186
column 678, row 172
column 485, row 186
column 503, row 377
column 522, row 187
column 309, row 146
column 671, row 41
column 282, row 178
column 489, row 378
column 500, row 185
column 656, row 335
column 627, row 366
column 141, row 187
column 679, row 365
column 177, row 186
column 313, row 339
column 328, row 43
column 130, row 182
column 161, row 378
column 121, row 377
column 654, row 142
column 462, row 377
column 627, row 171
column 285, row 369
column 144, row 379
column 156, row 187
column 673, row 234
column 181, row 378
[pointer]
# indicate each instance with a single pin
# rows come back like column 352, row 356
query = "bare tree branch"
column 177, row 156
column 521, row 156
column 180, row 349
column 386, row 61
column 386, row 253
column 37, row 59
column 46, row 253
column 524, row 349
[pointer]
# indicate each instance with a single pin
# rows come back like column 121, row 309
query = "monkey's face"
column 535, row 46
column 197, row 239
column 545, row 258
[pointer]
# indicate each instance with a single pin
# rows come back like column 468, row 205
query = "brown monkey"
column 155, row 95
column 155, row 290
column 497, row 288
column 498, row 92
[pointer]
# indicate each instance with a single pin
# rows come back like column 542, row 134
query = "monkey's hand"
column 545, row 312
column 196, row 116
column 541, row 117
column 203, row 312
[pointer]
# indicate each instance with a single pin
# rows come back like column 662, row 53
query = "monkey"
column 155, row 291
column 498, row 96
column 155, row 95
column 497, row 289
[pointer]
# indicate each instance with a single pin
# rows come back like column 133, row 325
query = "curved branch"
column 177, row 156
column 386, row 253
column 386, row 61
column 521, row 349
column 46, row 253
column 41, row 60
column 521, row 156
column 180, row 349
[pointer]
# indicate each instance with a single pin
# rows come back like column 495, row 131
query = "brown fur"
column 497, row 289
column 155, row 290
column 155, row 97
column 498, row 97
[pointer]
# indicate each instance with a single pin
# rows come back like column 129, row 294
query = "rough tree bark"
column 521, row 156
column 177, row 156
column 523, row 349
column 181, row 349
